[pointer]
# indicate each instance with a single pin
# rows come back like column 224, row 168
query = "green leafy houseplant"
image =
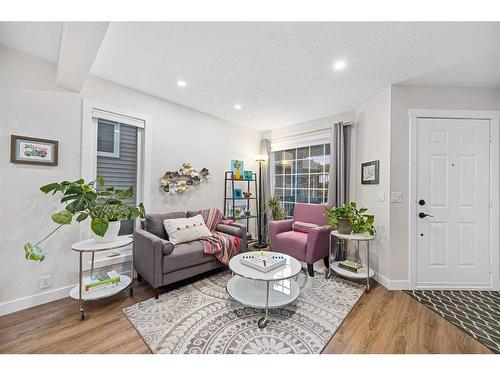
column 87, row 200
column 359, row 221
column 274, row 205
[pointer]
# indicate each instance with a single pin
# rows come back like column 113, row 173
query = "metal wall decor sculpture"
column 180, row 181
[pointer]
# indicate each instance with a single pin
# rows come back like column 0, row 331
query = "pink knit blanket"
column 223, row 246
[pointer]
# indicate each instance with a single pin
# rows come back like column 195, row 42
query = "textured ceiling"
column 281, row 73
column 36, row 38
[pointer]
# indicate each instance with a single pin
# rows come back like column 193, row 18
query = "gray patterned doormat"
column 475, row 312
column 202, row 318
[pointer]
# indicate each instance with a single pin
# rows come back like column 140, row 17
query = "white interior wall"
column 371, row 138
column 31, row 105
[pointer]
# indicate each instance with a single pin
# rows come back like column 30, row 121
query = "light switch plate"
column 396, row 197
column 381, row 196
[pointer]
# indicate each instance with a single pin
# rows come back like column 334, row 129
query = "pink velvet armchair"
column 305, row 247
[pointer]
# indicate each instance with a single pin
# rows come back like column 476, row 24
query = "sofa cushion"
column 186, row 255
column 291, row 243
column 154, row 223
column 186, row 229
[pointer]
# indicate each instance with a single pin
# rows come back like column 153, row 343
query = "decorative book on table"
column 103, row 280
column 351, row 266
column 262, row 260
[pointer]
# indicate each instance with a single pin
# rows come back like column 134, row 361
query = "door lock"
column 423, row 214
column 421, row 202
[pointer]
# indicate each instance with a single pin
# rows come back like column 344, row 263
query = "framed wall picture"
column 370, row 172
column 29, row 150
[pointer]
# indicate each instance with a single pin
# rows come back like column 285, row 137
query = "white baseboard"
column 39, row 299
column 392, row 284
column 34, row 300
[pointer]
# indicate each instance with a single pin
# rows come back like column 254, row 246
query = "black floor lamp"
column 260, row 243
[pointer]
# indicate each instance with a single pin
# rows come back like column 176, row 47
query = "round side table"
column 90, row 246
column 365, row 273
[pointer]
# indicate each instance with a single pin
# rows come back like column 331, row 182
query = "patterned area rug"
column 475, row 312
column 202, row 318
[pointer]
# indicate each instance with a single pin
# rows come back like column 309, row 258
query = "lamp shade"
column 260, row 158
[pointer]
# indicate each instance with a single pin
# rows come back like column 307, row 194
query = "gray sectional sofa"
column 160, row 263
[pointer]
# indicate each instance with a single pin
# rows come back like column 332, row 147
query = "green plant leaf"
column 100, row 181
column 82, row 202
column 62, row 217
column 33, row 253
column 82, row 216
column 49, row 187
column 100, row 226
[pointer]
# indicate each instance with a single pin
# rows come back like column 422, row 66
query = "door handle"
column 423, row 214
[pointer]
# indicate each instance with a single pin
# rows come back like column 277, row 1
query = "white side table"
column 90, row 246
column 366, row 271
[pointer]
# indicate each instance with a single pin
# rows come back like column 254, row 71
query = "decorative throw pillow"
column 186, row 230
column 300, row 226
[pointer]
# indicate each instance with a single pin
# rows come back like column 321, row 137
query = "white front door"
column 453, row 189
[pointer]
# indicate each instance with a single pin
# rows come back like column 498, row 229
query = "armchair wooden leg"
column 139, row 278
column 310, row 269
column 157, row 293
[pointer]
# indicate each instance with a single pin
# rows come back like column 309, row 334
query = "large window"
column 301, row 175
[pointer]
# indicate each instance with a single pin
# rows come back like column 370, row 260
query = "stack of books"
column 351, row 266
column 102, row 281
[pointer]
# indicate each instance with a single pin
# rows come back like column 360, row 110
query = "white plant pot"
column 111, row 234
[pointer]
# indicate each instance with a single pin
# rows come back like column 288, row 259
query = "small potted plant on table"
column 348, row 218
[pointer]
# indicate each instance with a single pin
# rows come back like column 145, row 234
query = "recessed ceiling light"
column 339, row 65
column 237, row 107
column 181, row 83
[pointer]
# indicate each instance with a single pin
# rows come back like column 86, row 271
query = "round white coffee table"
column 264, row 290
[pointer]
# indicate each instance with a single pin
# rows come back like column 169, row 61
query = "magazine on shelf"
column 103, row 280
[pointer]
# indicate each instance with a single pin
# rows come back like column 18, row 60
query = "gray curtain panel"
column 338, row 186
column 340, row 157
column 265, row 149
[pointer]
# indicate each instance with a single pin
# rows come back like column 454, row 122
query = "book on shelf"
column 100, row 281
column 351, row 266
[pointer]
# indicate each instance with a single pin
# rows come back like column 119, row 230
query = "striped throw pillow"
column 300, row 226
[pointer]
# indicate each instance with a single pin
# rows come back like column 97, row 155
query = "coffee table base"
column 263, row 294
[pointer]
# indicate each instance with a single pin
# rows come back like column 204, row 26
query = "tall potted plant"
column 276, row 212
column 103, row 205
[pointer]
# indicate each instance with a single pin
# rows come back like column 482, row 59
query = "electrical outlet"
column 45, row 281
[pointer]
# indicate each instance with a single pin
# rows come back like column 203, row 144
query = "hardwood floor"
column 381, row 322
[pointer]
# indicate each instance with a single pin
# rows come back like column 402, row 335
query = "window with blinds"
column 117, row 160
